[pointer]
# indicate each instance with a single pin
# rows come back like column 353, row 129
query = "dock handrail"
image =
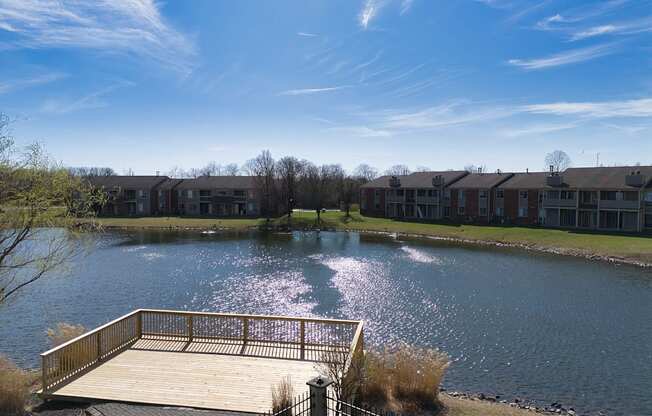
column 68, row 360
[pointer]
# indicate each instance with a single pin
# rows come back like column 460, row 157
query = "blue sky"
column 151, row 85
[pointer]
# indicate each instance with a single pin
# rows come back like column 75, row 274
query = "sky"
column 148, row 85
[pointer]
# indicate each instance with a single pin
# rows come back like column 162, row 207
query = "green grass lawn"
column 632, row 247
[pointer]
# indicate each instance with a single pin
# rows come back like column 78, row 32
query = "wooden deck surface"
column 201, row 374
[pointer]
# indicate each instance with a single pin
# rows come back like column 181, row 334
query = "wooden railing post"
column 303, row 339
column 191, row 330
column 139, row 325
column 98, row 339
column 245, row 330
column 44, row 373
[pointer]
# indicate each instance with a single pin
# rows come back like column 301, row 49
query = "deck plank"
column 201, row 379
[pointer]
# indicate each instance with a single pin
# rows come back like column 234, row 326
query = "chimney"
column 480, row 170
column 552, row 169
column 157, row 172
column 527, row 170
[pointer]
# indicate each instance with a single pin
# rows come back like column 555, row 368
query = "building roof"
column 602, row 177
column 135, row 182
column 481, row 180
column 219, row 182
column 169, row 184
column 417, row 179
column 525, row 180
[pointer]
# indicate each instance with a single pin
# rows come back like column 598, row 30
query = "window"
column 189, row 194
column 204, row 193
column 160, row 193
column 460, row 196
column 500, row 193
column 460, row 210
column 421, row 192
column 648, row 197
column 500, row 211
column 447, row 194
column 552, row 194
column 522, row 212
column 567, row 195
column 630, row 196
column 447, row 212
column 141, row 207
column 522, row 194
column 399, row 192
column 238, row 192
column 607, row 195
column 483, row 194
column 483, row 211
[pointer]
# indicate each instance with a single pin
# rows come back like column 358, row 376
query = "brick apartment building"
column 472, row 197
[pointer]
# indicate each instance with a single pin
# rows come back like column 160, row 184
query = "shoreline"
column 559, row 251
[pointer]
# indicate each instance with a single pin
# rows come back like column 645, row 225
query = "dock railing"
column 71, row 359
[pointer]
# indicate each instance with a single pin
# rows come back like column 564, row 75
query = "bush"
column 14, row 388
column 406, row 380
column 64, row 332
column 282, row 395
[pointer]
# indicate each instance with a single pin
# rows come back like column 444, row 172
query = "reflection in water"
column 515, row 324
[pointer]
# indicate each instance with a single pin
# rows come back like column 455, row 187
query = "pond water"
column 516, row 324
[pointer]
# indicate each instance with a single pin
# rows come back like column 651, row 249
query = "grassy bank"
column 633, row 248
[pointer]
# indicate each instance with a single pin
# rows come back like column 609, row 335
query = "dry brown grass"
column 64, row 332
column 405, row 380
column 14, row 388
column 282, row 395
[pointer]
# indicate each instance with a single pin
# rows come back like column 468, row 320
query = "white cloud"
column 131, row 26
column 369, row 11
column 567, row 57
column 622, row 28
column 89, row 101
column 449, row 114
column 360, row 131
column 305, row 91
column 538, row 129
column 306, row 34
column 594, row 31
column 606, row 109
column 17, row 84
column 406, row 5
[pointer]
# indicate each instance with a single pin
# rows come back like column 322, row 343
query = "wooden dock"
column 200, row 360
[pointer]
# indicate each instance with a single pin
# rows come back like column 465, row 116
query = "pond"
column 516, row 324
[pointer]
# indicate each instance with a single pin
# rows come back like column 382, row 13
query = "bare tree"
column 476, row 168
column 346, row 370
column 559, row 161
column 365, row 173
column 36, row 195
column 398, row 170
column 85, row 172
column 232, row 169
column 289, row 170
column 423, row 169
column 315, row 187
column 177, row 172
column 262, row 167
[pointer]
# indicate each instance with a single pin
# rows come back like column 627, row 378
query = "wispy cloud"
column 448, row 114
column 359, row 131
column 567, row 57
column 606, row 109
column 129, row 26
column 406, row 5
column 622, row 28
column 306, row 91
column 538, row 129
column 89, row 101
column 20, row 83
column 559, row 21
column 307, row 35
column 369, row 11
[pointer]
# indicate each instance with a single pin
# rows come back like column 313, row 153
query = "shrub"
column 406, row 380
column 416, row 377
column 14, row 388
column 64, row 332
column 282, row 394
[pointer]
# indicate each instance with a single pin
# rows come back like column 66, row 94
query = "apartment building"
column 166, row 197
column 606, row 198
column 518, row 200
column 128, row 195
column 420, row 195
column 472, row 197
column 218, row 196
